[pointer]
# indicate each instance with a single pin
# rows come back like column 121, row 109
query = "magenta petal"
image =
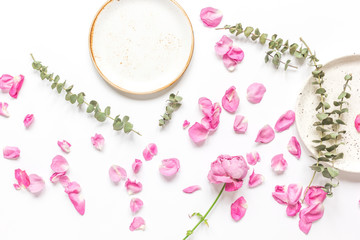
column 240, row 124
column 280, row 195
column 309, row 215
column 37, row 184
column 304, row 226
column 6, row 82
column 133, row 187
column 294, row 147
column 22, row 178
column 15, row 88
column 211, row 17
column 72, row 187
column 186, row 124
column 253, row 158
column 255, row 92
column 136, row 165
column 64, row 145
column 150, row 151
column 278, row 163
column 59, row 164
column 255, row 179
column 265, row 135
column 135, row 205
column 169, row 167
column 285, row 121
column 230, row 100
column 233, row 186
column 229, row 63
column 315, row 195
column 3, row 109
column 56, row 176
column 11, row 153
column 78, row 201
column 223, row 45
column 191, row 189
column 98, row 141
column 236, row 54
column 137, row 224
column 238, row 209
column 357, row 123
column 28, row 120
column 292, row 210
column 117, row 173
column 198, row 133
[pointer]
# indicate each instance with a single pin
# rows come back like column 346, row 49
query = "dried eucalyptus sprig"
column 174, row 103
column 93, row 106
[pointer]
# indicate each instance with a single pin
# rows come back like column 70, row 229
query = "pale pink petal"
column 59, row 164
column 136, row 165
column 186, row 124
column 357, row 123
column 28, row 120
column 211, row 17
column 117, row 173
column 240, row 124
column 6, row 82
column 235, row 166
column 98, row 141
column 280, row 195
column 133, row 187
column 236, row 54
column 265, row 135
column 64, row 180
column 56, row 176
column 285, row 121
column 17, row 186
column 3, row 109
column 238, row 209
column 22, row 179
column 230, row 100
column 15, row 88
column 253, row 158
column 278, row 163
column 191, row 189
column 37, row 184
column 78, row 201
column 309, row 215
column 72, row 187
column 64, row 145
column 294, row 147
column 229, row 63
column 206, row 106
column 135, row 205
column 150, row 151
column 212, row 122
column 11, row 152
column 255, row 92
column 137, row 224
column 198, row 133
column 315, row 195
column 233, row 186
column 169, row 167
column 223, row 45
column 292, row 210
column 293, row 193
column 255, row 179
column 304, row 226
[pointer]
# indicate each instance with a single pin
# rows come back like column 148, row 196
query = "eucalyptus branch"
column 174, row 103
column 92, row 106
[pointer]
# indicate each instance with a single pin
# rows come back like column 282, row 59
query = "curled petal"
column 136, row 204
column 211, row 17
column 117, row 173
column 72, row 187
column 186, row 124
column 78, row 201
column 294, row 147
column 6, row 82
column 64, row 180
column 137, row 224
column 98, row 141
column 293, row 193
column 253, row 158
column 11, row 153
column 240, row 124
column 3, row 109
column 265, row 135
column 22, row 179
column 285, row 121
column 255, row 179
column 37, row 184
column 236, row 54
column 278, row 163
column 230, row 100
column 255, row 92
column 59, row 164
column 198, row 133
column 206, row 106
column 64, row 145
column 229, row 63
column 315, row 195
column 56, row 176
column 169, row 167
column 292, row 210
column 357, row 123
column 28, row 120
column 191, row 189
column 136, row 165
column 238, row 209
column 133, row 187
column 212, row 122
column 150, row 151
column 15, row 88
column 280, row 195
column 233, row 186
column 223, row 45
column 309, row 215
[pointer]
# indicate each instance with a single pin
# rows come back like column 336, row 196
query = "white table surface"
column 56, row 32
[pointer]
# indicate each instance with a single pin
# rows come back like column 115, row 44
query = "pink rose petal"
column 191, row 189
column 11, row 152
column 117, row 173
column 285, row 121
column 72, row 187
column 230, row 100
column 59, row 164
column 37, row 184
column 278, row 163
column 206, row 106
column 294, row 147
column 136, row 165
column 169, row 167
column 78, row 201
column 255, row 179
column 280, row 195
column 133, row 187
column 64, row 145
column 229, row 63
column 255, row 92
column 309, row 215
column 357, row 123
column 56, row 176
column 265, row 135
column 150, row 151
column 233, row 186
column 28, row 120
column 211, row 17
column 186, row 124
column 236, row 54
column 293, row 199
column 98, row 141
column 3, row 109
column 315, row 195
column 6, row 82
column 22, row 179
column 198, row 133
column 253, row 158
column 238, row 209
column 137, row 224
column 64, row 180
column 223, row 45
column 292, row 210
column 17, row 84
column 135, row 205
column 240, row 124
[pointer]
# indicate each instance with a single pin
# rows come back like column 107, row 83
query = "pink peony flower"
column 133, row 187
column 3, row 109
column 192, row 189
column 98, row 141
column 11, row 153
column 117, row 173
column 238, row 209
column 230, row 101
column 137, row 224
column 315, row 195
column 357, row 123
column 278, row 163
column 240, row 124
column 28, row 120
column 211, row 17
column 294, row 147
column 169, row 167
column 285, row 121
column 135, row 205
column 186, row 124
column 309, row 215
column 255, row 92
column 59, row 164
column 136, row 165
column 64, row 145
column 22, row 178
column 231, row 55
column 150, row 151
column 6, row 82
column 265, row 135
column 230, row 170
column 17, row 84
column 255, row 179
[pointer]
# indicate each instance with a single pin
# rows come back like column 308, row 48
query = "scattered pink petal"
column 211, row 17
column 192, row 189
column 278, row 163
column 229, row 63
column 28, row 120
column 137, row 224
column 309, row 215
column 206, row 106
column 98, row 141
column 78, row 201
column 280, row 195
column 150, row 151
column 59, row 164
column 294, row 147
column 22, row 179
column 17, row 84
column 6, row 82
column 135, row 205
column 72, row 187
column 240, row 124
column 293, row 199
column 64, row 145
column 136, row 165
column 169, row 167
column 56, row 176
column 186, row 124
column 234, row 56
column 198, row 133
column 133, row 187
column 265, row 135
column 117, row 173
column 37, row 184
column 238, row 209
column 285, row 121
column 64, row 180
column 357, row 123
column 255, row 179
column 11, row 153
column 253, row 158
column 3, row 109
column 255, row 92
column 230, row 100
column 315, row 195
column 223, row 45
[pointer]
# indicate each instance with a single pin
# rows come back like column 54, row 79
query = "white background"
column 56, row 32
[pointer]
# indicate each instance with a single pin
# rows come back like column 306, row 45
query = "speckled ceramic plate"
column 141, row 46
column 307, row 102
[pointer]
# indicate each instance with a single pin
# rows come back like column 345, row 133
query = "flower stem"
column 208, row 211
